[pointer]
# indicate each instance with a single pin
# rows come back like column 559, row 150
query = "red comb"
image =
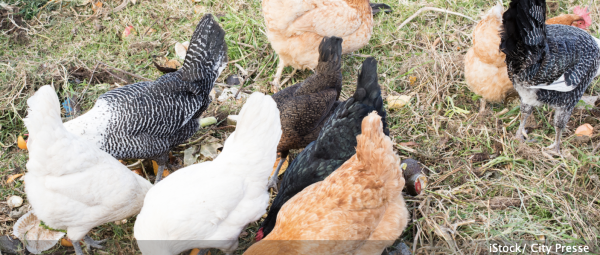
column 585, row 14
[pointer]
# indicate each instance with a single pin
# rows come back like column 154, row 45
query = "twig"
column 247, row 45
column 125, row 72
column 424, row 9
column 121, row 6
column 116, row 76
column 148, row 29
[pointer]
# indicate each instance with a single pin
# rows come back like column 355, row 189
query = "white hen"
column 208, row 204
column 70, row 183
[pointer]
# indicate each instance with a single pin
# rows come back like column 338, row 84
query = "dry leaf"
column 151, row 31
column 210, row 150
column 412, row 80
column 128, row 30
column 21, row 143
column 173, row 63
column 155, row 167
column 180, row 50
column 12, row 178
column 283, row 167
column 65, row 242
column 397, row 102
column 137, row 171
column 407, row 144
column 584, row 130
column 188, row 156
column 96, row 7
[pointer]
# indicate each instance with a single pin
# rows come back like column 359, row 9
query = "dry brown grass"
column 485, row 186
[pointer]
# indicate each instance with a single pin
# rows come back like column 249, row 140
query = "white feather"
column 207, row 205
column 70, row 183
column 558, row 85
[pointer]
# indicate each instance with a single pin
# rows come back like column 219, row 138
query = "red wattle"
column 259, row 235
column 418, row 187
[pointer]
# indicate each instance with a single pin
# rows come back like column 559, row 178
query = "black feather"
column 335, row 144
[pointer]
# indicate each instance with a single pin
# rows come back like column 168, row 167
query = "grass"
column 484, row 184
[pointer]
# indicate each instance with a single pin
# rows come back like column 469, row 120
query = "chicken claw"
column 89, row 243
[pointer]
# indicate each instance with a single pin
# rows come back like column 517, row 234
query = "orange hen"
column 485, row 66
column 359, row 201
column 296, row 27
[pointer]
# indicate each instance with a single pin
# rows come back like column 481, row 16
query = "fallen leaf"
column 151, row 31
column 155, row 167
column 195, row 251
column 408, row 144
column 173, row 63
column 188, row 156
column 137, row 171
column 412, row 80
column 96, row 7
column 12, row 178
column 584, row 130
column 66, row 243
column 283, row 167
column 180, row 50
column 397, row 102
column 128, row 30
column 210, row 150
column 21, row 143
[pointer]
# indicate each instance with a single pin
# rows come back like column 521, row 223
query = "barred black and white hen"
column 147, row 119
column 548, row 64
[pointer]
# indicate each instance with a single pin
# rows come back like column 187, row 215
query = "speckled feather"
column 542, row 54
column 305, row 106
column 146, row 119
column 335, row 144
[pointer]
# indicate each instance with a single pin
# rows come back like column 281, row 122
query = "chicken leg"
column 561, row 117
column 89, row 243
column 276, row 81
column 526, row 110
column 162, row 162
column 273, row 181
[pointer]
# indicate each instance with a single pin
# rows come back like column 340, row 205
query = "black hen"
column 548, row 64
column 334, row 146
column 147, row 119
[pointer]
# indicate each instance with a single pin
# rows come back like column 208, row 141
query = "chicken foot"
column 274, row 179
column 89, row 243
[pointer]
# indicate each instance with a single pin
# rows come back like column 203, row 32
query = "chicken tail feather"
column 524, row 33
column 368, row 91
column 258, row 125
column 206, row 56
column 375, row 149
column 330, row 55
